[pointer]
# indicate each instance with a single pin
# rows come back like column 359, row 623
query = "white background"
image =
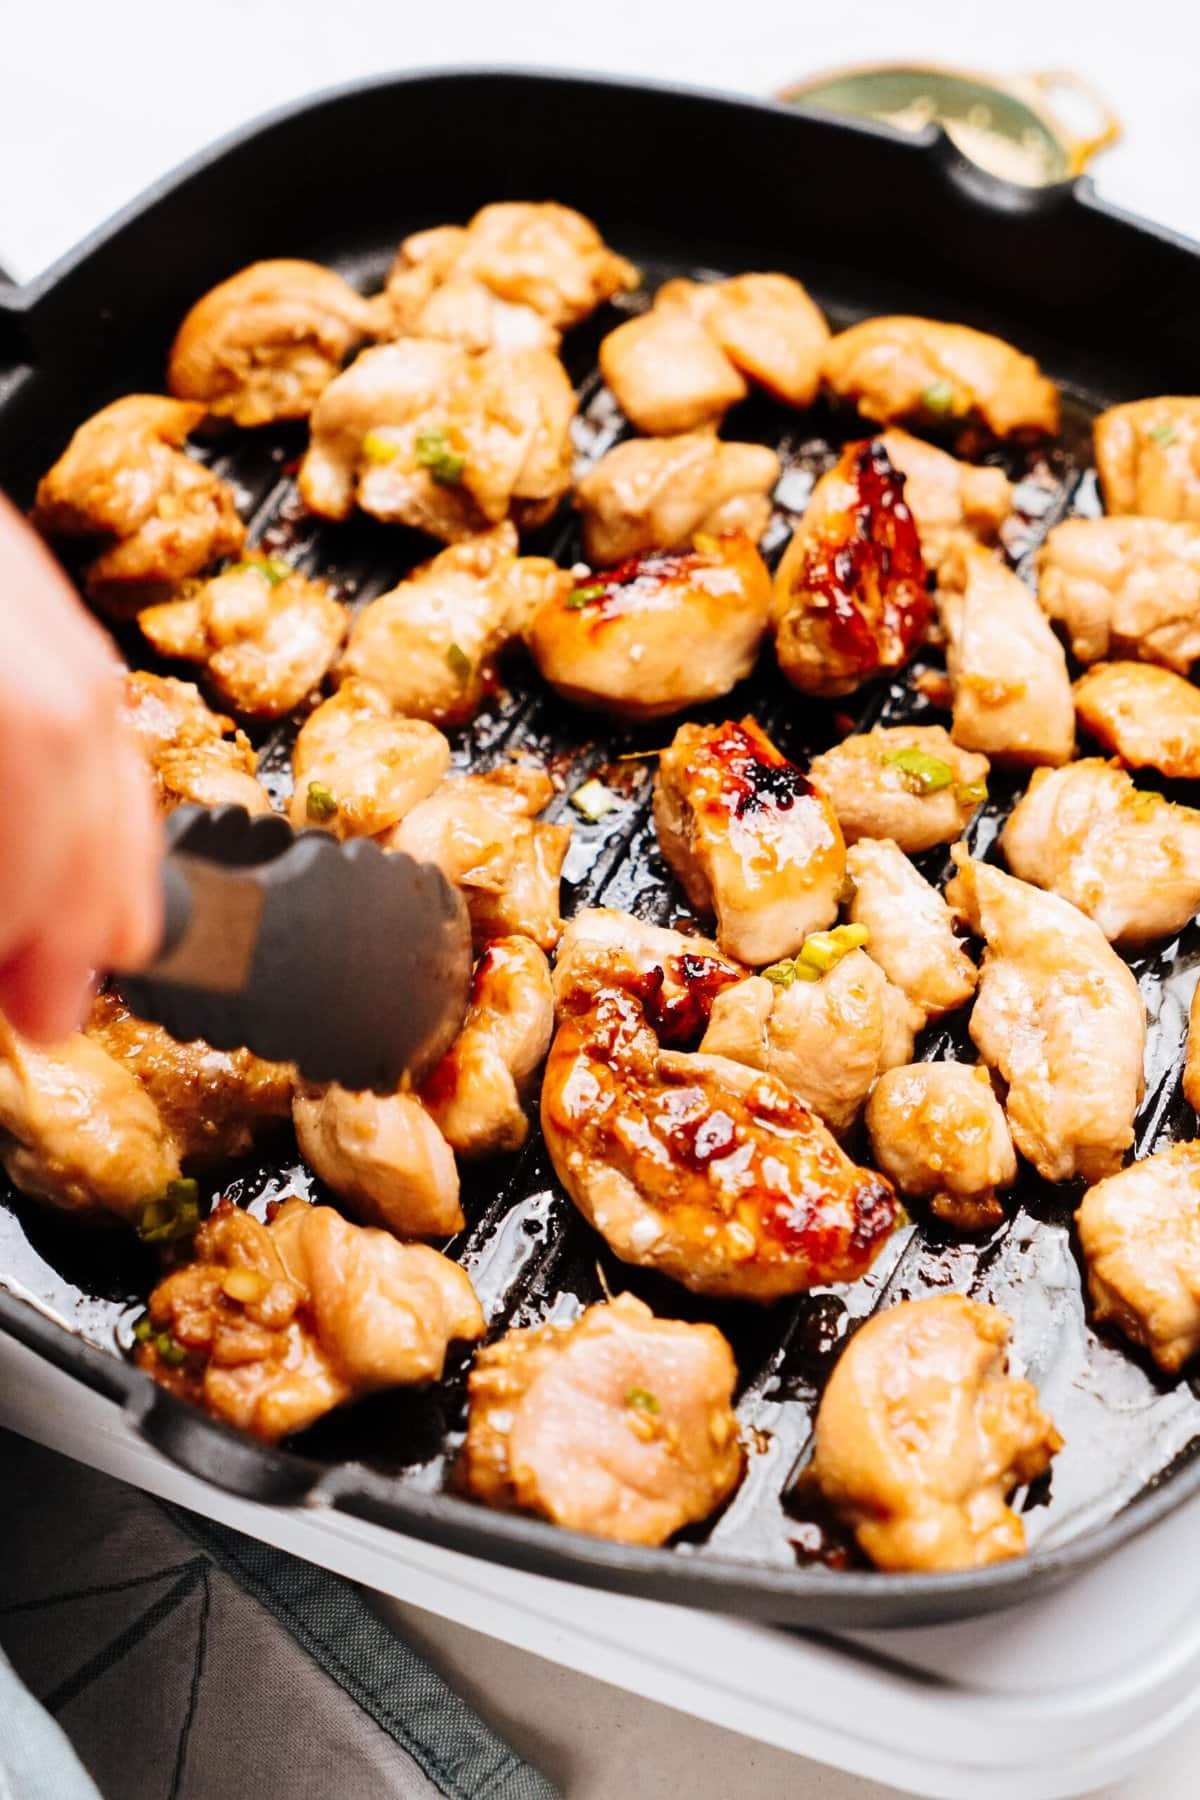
column 98, row 99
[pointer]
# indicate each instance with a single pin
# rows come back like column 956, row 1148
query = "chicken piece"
column 475, row 1094
column 668, row 374
column 922, row 1435
column 265, row 635
column 749, row 838
column 676, row 977
column 1139, row 1231
column 78, row 1130
column 952, row 502
column 482, row 832
column 1124, row 587
column 911, row 783
column 850, row 598
column 272, row 1326
column 357, row 768
column 430, row 645
column 1059, row 1016
column 159, row 517
column 660, row 493
column 939, row 1133
column 710, row 1172
column 658, row 633
column 1008, row 673
column 1148, row 456
column 1191, row 1067
column 911, row 929
column 428, row 434
column 770, row 329
column 826, row 1039
column 194, row 754
column 904, row 368
column 383, row 1156
column 1147, row 716
column 620, row 1424
column 211, row 1101
column 263, row 344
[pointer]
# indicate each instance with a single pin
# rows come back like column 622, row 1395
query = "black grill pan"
column 683, row 183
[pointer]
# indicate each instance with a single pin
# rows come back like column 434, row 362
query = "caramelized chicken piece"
column 475, row 1094
column 1059, row 1016
column 431, row 643
column 1191, row 1067
column 675, row 976
column 1012, row 692
column 384, row 1156
column 939, row 1133
column 430, row 435
column 705, row 1170
column 1140, row 1234
column 668, row 374
column 266, row 637
column 262, row 345
column 904, row 368
column 770, row 329
column 1149, row 717
column 78, row 1130
column 850, row 598
column 482, row 832
column 657, row 633
column 211, row 1101
column 952, row 502
column 357, row 768
column 1128, row 859
column 911, row 783
column 124, row 481
column 1148, row 455
column 922, row 1435
column 660, row 493
column 911, row 929
column 270, row 1327
column 193, row 754
column 620, row 1424
column 826, row 1039
column 749, row 837
column 1125, row 587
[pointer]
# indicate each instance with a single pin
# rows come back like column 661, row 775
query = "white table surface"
column 95, row 101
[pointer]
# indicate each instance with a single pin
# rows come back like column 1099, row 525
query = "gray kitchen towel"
column 186, row 1662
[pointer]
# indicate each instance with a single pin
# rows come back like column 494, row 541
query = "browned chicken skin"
column 1147, row 716
column 1140, row 1234
column 1148, row 455
column 620, row 1424
column 952, row 502
column 939, row 1133
column 1124, row 587
column 661, row 493
column 476, row 1094
column 910, row 783
column 904, row 368
column 357, row 768
column 194, row 755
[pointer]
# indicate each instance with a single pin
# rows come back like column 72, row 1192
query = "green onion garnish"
column 169, row 1349
column 593, row 800
column 143, row 1331
column 781, row 974
column 938, row 397
column 971, row 793
column 271, row 568
column 641, row 1400
column 434, row 453
column 825, row 949
column 920, row 772
column 378, row 449
column 460, row 664
column 1164, row 433
column 579, row 596
column 173, row 1215
column 320, row 804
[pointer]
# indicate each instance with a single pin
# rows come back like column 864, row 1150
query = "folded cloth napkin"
column 186, row 1662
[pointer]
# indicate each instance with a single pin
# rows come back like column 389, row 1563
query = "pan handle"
column 1045, row 84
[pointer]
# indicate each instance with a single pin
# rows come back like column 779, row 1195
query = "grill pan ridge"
column 871, row 222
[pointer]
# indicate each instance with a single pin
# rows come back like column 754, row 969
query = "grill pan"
column 684, row 183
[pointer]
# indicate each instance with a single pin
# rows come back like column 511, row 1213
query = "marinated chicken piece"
column 952, row 502
column 357, row 768
column 826, row 1039
column 1008, row 673
column 428, row 434
column 482, row 832
column 922, row 1435
column 272, row 1326
column 749, row 838
column 262, row 345
column 1059, row 1016
column 850, row 598
column 194, row 755
column 911, row 929
column 770, row 329
column 157, row 515
column 475, row 1094
column 668, row 374
column 1191, row 1067
column 1124, row 587
column 384, row 1156
column 660, row 493
column 1127, row 858
column 705, row 1170
column 911, row 783
column 417, row 303
column 1140, row 1234
column 211, row 1101
column 78, row 1130
column 1147, row 716
column 430, row 645
column 939, row 1133
column 1148, row 456
column 620, row 1424
column 265, row 635
column 904, row 368
column 675, row 976
column 657, row 633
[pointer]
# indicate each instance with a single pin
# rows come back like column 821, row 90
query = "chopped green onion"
column 271, row 568
column 642, row 1400
column 938, row 397
column 781, row 974
column 593, row 800
column 143, row 1331
column 579, row 596
column 169, row 1349
column 971, row 793
column 920, row 772
column 1164, row 433
column 173, row 1215
column 321, row 803
column 825, row 949
column 434, row 453
column 460, row 664
column 378, row 449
